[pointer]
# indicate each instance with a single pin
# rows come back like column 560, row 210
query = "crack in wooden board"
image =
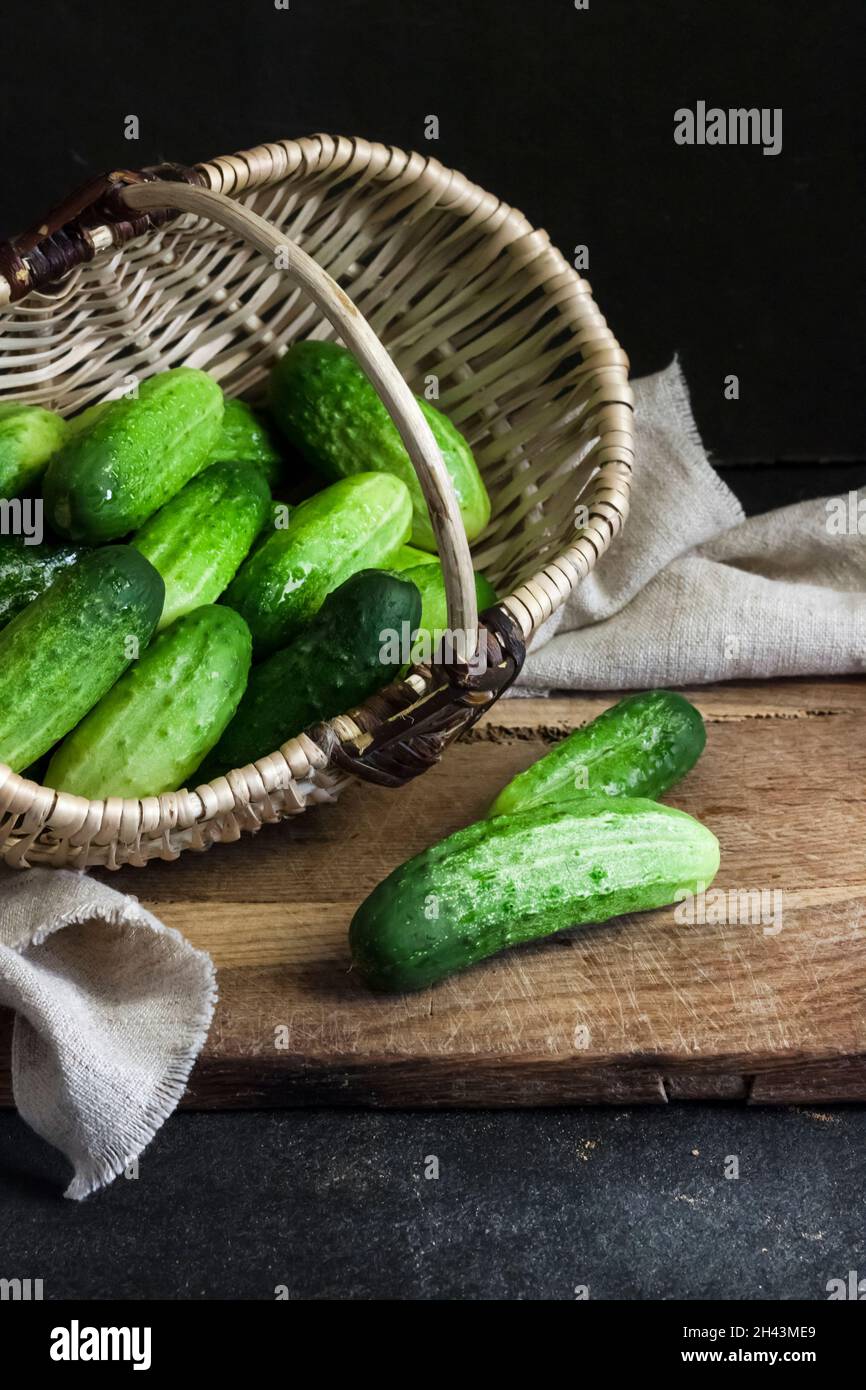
column 550, row 718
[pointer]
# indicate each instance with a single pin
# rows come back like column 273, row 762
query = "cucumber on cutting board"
column 26, row 571
column 333, row 665
column 328, row 409
column 199, row 538
column 152, row 728
column 354, row 524
column 639, row 747
column 137, row 453
column 29, row 436
column 245, row 438
column 502, row 882
column 67, row 648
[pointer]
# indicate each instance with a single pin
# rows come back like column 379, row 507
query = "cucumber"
column 137, row 453
column 67, row 648
column 484, row 592
column 327, row 408
column 29, row 436
column 434, row 607
column 152, row 728
column 86, row 417
column 245, row 438
column 199, row 538
column 355, row 524
column 335, row 663
column 502, row 882
column 26, row 571
column 408, row 556
column 639, row 747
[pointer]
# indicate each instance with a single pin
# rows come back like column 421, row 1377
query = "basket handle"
column 353, row 328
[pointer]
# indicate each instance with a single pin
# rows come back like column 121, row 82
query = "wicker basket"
column 140, row 272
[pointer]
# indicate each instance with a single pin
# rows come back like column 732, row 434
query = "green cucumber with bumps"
column 246, row 438
column 137, row 452
column 29, row 437
column 515, row 879
column 354, row 524
column 198, row 540
column 334, row 664
column 150, row 731
column 328, row 409
column 641, row 746
column 26, row 571
column 67, row 648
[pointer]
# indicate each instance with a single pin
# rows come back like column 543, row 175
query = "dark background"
column 739, row 262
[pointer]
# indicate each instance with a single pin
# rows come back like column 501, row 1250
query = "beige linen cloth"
column 692, row 592
column 112, row 1008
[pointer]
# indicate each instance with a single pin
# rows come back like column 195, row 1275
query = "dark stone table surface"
column 629, row 1204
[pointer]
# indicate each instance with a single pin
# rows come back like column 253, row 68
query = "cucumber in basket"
column 86, row 417
column 354, row 524
column 245, row 438
column 26, row 571
column 434, row 606
column 29, row 436
column 327, row 408
column 68, row 647
column 408, row 556
column 137, row 453
column 335, row 663
column 152, row 728
column 199, row 538
column 639, row 747
column 502, row 882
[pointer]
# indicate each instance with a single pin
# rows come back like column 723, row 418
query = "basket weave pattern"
column 459, row 288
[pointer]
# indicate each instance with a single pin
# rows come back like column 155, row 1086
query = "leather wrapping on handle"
column 66, row 237
column 398, row 735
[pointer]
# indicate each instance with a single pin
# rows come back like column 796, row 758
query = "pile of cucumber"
column 577, row 838
column 180, row 620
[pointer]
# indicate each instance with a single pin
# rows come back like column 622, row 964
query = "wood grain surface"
column 646, row 1008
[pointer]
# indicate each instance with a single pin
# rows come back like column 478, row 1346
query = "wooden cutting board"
column 642, row 1009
